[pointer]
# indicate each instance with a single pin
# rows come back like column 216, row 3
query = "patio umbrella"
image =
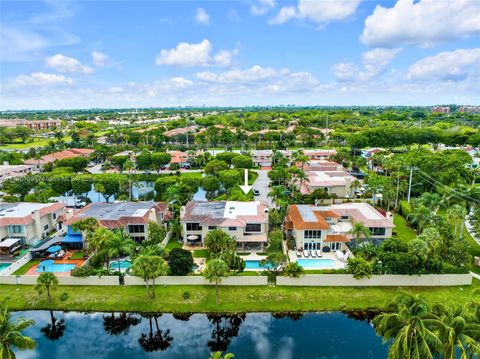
column 54, row 249
column 192, row 237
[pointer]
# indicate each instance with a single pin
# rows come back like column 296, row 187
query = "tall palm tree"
column 46, row 281
column 409, row 322
column 277, row 194
column 11, row 335
column 458, row 332
column 214, row 272
column 120, row 244
column 457, row 214
column 300, row 157
column 358, row 230
column 86, row 227
column 420, row 216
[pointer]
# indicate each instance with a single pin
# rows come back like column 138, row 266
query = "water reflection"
column 258, row 335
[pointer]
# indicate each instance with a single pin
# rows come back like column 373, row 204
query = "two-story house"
column 133, row 217
column 317, row 227
column 247, row 222
column 29, row 222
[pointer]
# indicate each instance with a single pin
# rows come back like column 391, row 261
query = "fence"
column 347, row 280
column 113, row 280
column 16, row 265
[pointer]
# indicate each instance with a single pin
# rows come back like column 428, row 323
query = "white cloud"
column 201, row 16
column 422, row 23
column 253, row 74
column 200, row 54
column 375, row 62
column 40, row 79
column 447, row 66
column 262, row 7
column 64, row 63
column 99, row 58
column 320, row 12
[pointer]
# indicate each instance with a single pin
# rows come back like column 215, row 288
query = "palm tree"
column 278, row 195
column 358, row 230
column 219, row 355
column 300, row 157
column 46, row 281
column 409, row 322
column 100, row 242
column 419, row 216
column 458, row 331
column 54, row 330
column 120, row 244
column 160, row 340
column 11, row 335
column 455, row 214
column 86, row 227
column 149, row 267
column 214, row 272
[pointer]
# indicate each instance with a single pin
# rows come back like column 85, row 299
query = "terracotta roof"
column 298, row 222
column 52, row 157
column 336, row 238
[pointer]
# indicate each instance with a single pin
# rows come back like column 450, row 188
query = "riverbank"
column 201, row 299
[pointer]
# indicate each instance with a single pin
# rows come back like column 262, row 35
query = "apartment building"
column 34, row 125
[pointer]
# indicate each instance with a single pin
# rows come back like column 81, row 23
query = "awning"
column 7, row 243
column 72, row 239
column 331, row 238
column 257, row 238
column 192, row 237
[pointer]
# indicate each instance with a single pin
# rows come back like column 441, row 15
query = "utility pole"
column 410, row 185
column 398, row 186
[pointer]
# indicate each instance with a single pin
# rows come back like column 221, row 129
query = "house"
column 11, row 171
column 321, row 165
column 133, row 217
column 247, row 222
column 263, row 158
column 52, row 157
column 338, row 183
column 319, row 154
column 318, row 227
column 34, row 125
column 181, row 158
column 30, row 222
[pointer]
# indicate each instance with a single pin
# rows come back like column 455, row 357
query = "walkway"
column 471, row 230
column 475, row 275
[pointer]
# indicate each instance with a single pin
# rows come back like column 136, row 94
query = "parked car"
column 256, row 192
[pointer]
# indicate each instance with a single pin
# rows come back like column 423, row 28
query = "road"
column 262, row 183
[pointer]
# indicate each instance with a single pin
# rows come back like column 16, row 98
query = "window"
column 328, row 219
column 211, row 228
column 344, row 217
column 136, row 228
column 232, row 228
column 15, row 229
column 138, row 239
column 194, row 227
column 45, row 227
column 54, row 216
column 377, row 231
column 312, row 234
column 253, row 227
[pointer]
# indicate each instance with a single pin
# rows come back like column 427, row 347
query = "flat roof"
column 21, row 209
column 115, row 211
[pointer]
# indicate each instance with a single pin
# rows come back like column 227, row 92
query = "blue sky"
column 82, row 54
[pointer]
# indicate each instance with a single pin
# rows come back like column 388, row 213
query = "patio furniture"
column 339, row 255
column 306, row 254
column 299, row 254
column 60, row 254
column 319, row 254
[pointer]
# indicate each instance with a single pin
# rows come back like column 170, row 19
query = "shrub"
column 64, row 296
column 81, row 272
column 359, row 267
column 180, row 261
column 186, row 295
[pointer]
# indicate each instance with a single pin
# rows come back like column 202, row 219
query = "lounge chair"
column 306, row 254
column 313, row 254
column 60, row 254
column 299, row 254
column 319, row 254
column 339, row 255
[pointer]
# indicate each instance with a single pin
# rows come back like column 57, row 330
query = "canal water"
column 76, row 335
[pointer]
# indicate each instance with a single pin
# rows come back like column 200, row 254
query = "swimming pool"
column 50, row 266
column 4, row 266
column 316, row 263
column 305, row 263
column 122, row 264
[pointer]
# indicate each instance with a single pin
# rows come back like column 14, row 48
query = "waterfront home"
column 247, row 222
column 52, row 157
column 30, row 222
column 133, row 217
column 318, row 227
column 181, row 158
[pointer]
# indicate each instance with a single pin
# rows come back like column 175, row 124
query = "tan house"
column 315, row 227
column 338, row 183
column 30, row 222
column 52, row 157
column 247, row 222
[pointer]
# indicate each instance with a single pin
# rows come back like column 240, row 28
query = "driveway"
column 262, row 183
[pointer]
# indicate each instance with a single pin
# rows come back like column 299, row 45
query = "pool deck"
column 337, row 264
column 64, row 260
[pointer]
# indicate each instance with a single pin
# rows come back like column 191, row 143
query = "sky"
column 119, row 54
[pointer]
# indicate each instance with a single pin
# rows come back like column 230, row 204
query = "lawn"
column 201, row 253
column 232, row 299
column 77, row 255
column 24, row 269
column 402, row 229
column 173, row 243
column 25, row 146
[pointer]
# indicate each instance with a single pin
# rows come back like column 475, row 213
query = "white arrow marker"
column 246, row 188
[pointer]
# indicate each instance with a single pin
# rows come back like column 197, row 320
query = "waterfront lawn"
column 24, row 269
column 232, row 299
column 402, row 229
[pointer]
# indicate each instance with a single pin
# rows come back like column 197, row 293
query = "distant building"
column 247, row 222
column 469, row 109
column 133, row 217
column 52, row 157
column 441, row 109
column 30, row 222
column 11, row 171
column 34, row 125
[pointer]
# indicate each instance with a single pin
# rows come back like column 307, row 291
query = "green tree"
column 408, row 321
column 110, row 184
column 86, row 227
column 275, row 262
column 149, row 267
column 242, row 161
column 217, row 241
column 46, row 281
column 293, row 269
column 120, row 245
column 229, row 178
column 160, row 159
column 214, row 167
column 210, row 184
column 180, row 261
column 359, row 230
column 11, row 335
column 214, row 272
column 359, row 267
column 219, row 355
column 155, row 232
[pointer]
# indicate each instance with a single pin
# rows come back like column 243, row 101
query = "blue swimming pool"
column 316, row 263
column 305, row 263
column 50, row 266
column 123, row 264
